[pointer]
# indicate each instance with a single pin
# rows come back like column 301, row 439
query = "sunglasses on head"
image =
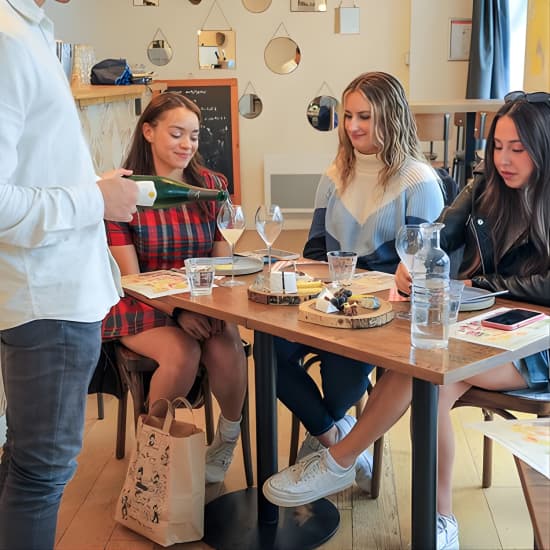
column 533, row 97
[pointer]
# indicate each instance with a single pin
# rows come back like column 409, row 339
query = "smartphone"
column 512, row 319
column 277, row 254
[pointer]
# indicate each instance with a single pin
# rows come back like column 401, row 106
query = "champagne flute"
column 269, row 223
column 231, row 224
column 408, row 243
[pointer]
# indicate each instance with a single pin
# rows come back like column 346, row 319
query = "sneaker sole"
column 287, row 501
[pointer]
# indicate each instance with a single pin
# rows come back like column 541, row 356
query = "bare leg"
column 503, row 377
column 177, row 354
column 224, row 359
column 387, row 402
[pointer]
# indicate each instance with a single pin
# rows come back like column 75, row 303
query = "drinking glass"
column 269, row 223
column 408, row 243
column 231, row 224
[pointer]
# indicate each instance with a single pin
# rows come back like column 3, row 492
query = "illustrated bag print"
column 163, row 493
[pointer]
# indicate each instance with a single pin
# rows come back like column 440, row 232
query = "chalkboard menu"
column 219, row 134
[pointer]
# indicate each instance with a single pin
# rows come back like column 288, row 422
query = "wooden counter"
column 93, row 95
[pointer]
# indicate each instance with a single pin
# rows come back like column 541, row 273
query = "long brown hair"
column 393, row 122
column 140, row 156
column 522, row 214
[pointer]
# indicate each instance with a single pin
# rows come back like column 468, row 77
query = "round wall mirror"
column 250, row 106
column 322, row 113
column 159, row 52
column 256, row 6
column 282, row 55
column 196, row 2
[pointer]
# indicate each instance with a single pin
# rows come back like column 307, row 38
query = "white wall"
column 432, row 75
column 389, row 30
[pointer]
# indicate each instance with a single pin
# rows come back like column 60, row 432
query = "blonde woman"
column 378, row 181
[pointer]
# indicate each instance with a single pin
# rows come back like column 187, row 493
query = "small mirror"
column 195, row 2
column 322, row 113
column 250, row 106
column 217, row 49
column 159, row 51
column 256, row 6
column 282, row 55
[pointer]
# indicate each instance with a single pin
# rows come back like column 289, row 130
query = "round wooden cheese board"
column 366, row 318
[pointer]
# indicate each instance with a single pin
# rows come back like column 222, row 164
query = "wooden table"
column 387, row 346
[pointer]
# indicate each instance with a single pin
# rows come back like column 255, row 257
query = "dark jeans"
column 344, row 381
column 47, row 366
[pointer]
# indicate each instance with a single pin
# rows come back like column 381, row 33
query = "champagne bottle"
column 161, row 192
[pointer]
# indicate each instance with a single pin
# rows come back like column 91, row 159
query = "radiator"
column 291, row 180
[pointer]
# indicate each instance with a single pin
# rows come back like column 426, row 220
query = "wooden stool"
column 135, row 372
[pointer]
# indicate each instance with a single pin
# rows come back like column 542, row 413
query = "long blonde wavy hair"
column 393, row 123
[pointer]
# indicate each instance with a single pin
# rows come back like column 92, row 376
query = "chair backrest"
column 460, row 123
column 484, row 119
column 435, row 127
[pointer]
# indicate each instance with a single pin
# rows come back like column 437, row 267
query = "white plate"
column 243, row 266
column 474, row 299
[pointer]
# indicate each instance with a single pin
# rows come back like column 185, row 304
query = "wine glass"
column 408, row 243
column 269, row 223
column 231, row 224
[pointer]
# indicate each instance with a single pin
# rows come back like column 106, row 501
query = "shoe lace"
column 310, row 467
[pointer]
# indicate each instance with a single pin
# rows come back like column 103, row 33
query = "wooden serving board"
column 366, row 318
column 278, row 299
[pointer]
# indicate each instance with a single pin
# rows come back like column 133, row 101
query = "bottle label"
column 147, row 193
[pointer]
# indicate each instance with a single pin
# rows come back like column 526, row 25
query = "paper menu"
column 527, row 439
column 471, row 330
column 155, row 284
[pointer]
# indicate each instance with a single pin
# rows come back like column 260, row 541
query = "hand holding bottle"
column 120, row 195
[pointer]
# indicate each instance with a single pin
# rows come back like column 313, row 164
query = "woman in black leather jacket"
column 467, row 226
column 503, row 222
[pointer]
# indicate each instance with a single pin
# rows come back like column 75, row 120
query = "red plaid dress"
column 163, row 239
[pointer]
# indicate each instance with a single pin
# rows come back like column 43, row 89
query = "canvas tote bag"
column 163, row 494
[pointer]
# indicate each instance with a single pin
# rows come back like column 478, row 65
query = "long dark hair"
column 140, row 155
column 519, row 214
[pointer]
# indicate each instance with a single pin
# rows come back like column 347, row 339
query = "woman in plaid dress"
column 165, row 143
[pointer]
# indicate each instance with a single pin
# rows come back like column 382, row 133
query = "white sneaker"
column 447, row 533
column 218, row 458
column 306, row 481
column 309, row 445
column 363, row 465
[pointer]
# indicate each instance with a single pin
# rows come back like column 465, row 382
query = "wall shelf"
column 94, row 95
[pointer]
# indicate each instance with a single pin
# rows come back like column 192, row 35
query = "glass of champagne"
column 269, row 223
column 408, row 243
column 231, row 224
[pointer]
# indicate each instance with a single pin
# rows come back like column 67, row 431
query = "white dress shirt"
column 54, row 261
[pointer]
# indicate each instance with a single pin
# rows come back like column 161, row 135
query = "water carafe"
column 430, row 295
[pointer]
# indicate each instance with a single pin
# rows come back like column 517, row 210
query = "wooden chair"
column 378, row 451
column 135, row 373
column 501, row 403
column 459, row 154
column 434, row 127
column 484, row 119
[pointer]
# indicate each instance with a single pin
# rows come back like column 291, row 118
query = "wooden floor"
column 489, row 519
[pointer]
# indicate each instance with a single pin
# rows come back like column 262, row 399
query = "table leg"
column 424, row 464
column 246, row 520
